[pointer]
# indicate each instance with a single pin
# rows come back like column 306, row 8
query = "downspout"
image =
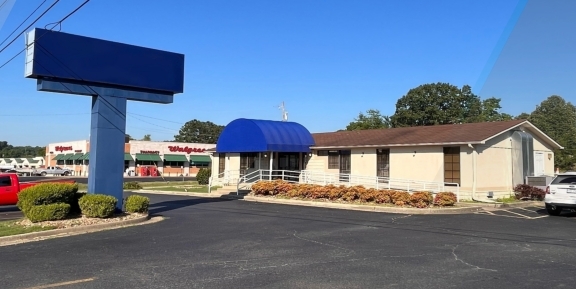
column 473, row 171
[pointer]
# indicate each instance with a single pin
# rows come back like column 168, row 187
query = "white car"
column 561, row 193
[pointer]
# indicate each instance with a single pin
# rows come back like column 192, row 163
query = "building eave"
column 398, row 145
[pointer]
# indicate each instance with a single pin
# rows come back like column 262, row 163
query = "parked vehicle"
column 561, row 193
column 53, row 171
column 10, row 186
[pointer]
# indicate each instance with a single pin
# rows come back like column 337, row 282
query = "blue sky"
column 327, row 60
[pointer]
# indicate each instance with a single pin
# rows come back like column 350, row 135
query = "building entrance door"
column 289, row 165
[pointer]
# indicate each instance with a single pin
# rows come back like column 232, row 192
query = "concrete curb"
column 34, row 236
column 367, row 208
column 523, row 204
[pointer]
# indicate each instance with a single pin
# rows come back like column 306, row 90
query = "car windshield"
column 58, row 168
column 567, row 179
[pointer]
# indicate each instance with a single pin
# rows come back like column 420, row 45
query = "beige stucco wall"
column 540, row 146
column 424, row 163
column 363, row 162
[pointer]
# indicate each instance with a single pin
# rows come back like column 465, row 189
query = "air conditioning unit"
column 539, row 181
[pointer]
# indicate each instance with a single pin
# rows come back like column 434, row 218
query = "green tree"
column 9, row 151
column 196, row 131
column 371, row 120
column 523, row 115
column 557, row 119
column 435, row 104
column 147, row 137
column 491, row 110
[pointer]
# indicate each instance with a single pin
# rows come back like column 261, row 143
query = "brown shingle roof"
column 439, row 134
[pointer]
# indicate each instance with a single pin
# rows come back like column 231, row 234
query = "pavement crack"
column 349, row 251
column 397, row 218
column 466, row 263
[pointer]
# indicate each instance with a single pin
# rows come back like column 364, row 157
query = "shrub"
column 49, row 212
column 97, row 205
column 383, row 197
column 132, row 186
column 400, row 198
column 445, row 199
column 137, row 204
column 203, row 176
column 527, row 192
column 46, row 194
column 421, row 199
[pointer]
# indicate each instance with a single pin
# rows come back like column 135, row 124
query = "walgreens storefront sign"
column 186, row 149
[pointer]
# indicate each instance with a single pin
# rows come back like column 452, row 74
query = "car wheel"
column 43, row 174
column 66, row 174
column 553, row 210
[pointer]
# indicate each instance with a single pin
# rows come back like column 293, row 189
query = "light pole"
column 182, row 172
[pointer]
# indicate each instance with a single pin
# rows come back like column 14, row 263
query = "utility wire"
column 24, row 31
column 55, row 24
column 22, row 21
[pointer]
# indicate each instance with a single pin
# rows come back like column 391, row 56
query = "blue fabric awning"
column 252, row 135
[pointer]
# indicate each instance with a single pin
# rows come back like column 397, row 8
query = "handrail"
column 322, row 178
column 223, row 175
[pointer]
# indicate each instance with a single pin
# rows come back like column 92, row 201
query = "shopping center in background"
column 144, row 158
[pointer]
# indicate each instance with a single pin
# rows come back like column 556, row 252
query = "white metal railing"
column 226, row 178
column 322, row 178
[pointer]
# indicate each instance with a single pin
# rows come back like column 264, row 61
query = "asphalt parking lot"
column 217, row 243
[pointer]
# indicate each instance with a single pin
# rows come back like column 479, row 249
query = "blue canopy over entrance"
column 252, row 135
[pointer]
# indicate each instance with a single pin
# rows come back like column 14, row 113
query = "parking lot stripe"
column 527, row 217
column 61, row 284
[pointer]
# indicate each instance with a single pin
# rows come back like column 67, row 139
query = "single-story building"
column 475, row 158
column 167, row 158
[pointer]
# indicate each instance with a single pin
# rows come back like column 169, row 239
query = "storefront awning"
column 128, row 157
column 8, row 161
column 58, row 157
column 76, row 157
column 148, row 157
column 252, row 135
column 85, row 157
column 199, row 159
column 33, row 161
column 19, row 161
column 175, row 158
column 66, row 157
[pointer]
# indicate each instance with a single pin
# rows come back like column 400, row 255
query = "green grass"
column 197, row 189
column 9, row 228
column 509, row 199
column 167, row 184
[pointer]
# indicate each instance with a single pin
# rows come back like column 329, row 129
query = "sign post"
column 111, row 73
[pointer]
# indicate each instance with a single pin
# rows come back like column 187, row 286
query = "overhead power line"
column 24, row 31
column 55, row 24
column 23, row 21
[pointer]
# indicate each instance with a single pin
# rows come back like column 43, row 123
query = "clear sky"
column 327, row 60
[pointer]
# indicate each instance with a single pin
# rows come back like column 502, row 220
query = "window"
column 221, row 163
column 5, row 182
column 452, row 165
column 564, row 180
column 146, row 163
column 173, row 164
column 59, row 162
column 69, row 162
column 247, row 161
column 333, row 160
column 202, row 164
column 383, row 163
column 322, row 153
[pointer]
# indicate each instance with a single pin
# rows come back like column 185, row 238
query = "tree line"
column 444, row 103
column 9, row 151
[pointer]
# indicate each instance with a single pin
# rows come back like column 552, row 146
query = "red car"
column 10, row 186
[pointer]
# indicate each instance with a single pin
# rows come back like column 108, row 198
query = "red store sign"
column 61, row 148
column 186, row 149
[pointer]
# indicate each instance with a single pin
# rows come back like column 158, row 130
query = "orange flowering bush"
column 445, row 199
column 352, row 194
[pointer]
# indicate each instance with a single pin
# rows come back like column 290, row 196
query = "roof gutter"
column 397, row 145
